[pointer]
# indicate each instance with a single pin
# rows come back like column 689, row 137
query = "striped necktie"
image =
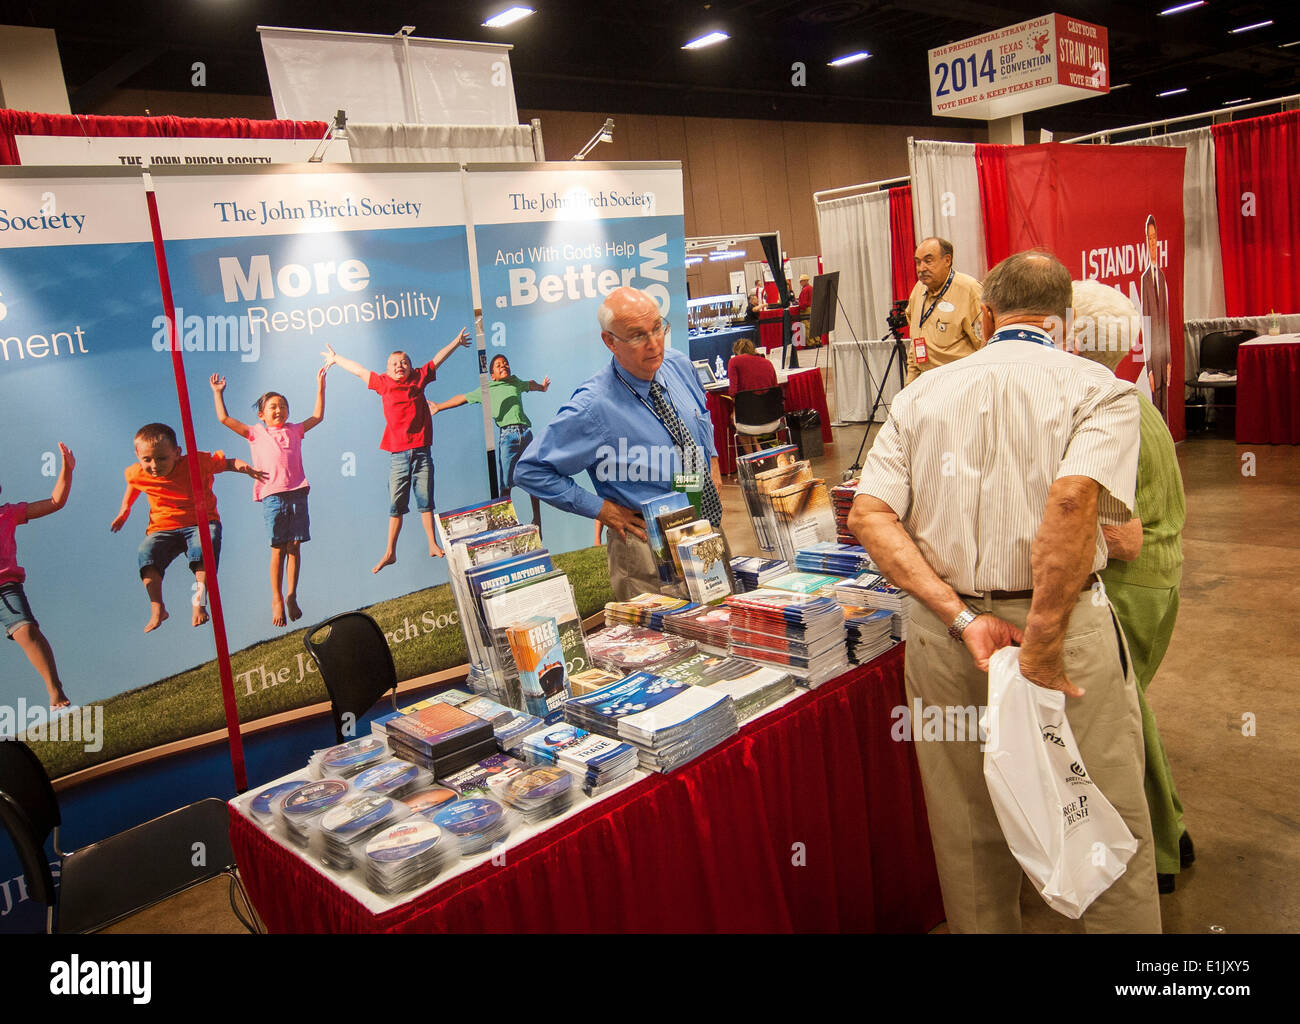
column 693, row 459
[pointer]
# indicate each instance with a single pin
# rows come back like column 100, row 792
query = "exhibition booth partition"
column 1219, row 199
column 128, row 300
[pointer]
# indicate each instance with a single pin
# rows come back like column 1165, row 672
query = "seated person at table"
column 747, row 371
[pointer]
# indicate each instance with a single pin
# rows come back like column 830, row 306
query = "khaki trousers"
column 979, row 876
column 632, row 568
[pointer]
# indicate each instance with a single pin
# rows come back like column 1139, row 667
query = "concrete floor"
column 1235, row 652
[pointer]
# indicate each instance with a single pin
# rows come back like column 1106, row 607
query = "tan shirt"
column 951, row 332
column 969, row 453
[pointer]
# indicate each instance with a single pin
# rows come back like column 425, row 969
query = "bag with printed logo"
column 1061, row 828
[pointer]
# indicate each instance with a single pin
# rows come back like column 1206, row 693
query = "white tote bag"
column 1064, row 832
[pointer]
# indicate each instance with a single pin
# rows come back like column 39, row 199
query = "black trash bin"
column 806, row 432
column 1194, row 415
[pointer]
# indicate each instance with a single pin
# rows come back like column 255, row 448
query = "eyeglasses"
column 660, row 330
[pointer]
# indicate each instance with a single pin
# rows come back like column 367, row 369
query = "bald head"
column 632, row 329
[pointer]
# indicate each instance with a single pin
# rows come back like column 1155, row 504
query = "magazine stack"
column 803, row 634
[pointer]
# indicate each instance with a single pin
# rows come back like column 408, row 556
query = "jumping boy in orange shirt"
column 163, row 476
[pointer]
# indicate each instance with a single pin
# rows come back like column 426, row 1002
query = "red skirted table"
column 803, row 389
column 811, row 819
column 1268, row 390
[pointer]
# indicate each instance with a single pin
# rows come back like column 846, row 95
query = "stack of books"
column 752, row 573
column 709, row 626
column 802, row 633
column 668, row 721
column 835, row 558
column 869, row 631
column 706, row 566
column 805, row 583
column 645, row 610
column 662, row 511
column 750, row 685
column 597, row 763
column 842, row 496
column 870, row 590
column 509, row 727
column 441, row 738
column 625, row 649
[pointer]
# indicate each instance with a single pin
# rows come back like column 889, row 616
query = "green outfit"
column 1144, row 593
column 507, row 401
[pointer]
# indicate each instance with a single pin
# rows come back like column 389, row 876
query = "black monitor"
column 825, row 300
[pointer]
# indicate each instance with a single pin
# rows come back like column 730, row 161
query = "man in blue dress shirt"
column 624, row 427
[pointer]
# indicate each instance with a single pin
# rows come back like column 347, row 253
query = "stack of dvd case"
column 441, row 738
column 264, row 804
column 669, row 722
column 427, row 801
column 626, row 649
column 405, row 856
column 750, row 685
column 834, row 558
column 347, row 759
column 869, row 631
column 456, row 697
column 539, row 793
column 802, row 633
column 352, row 822
column 752, row 573
column 842, row 496
column 394, row 778
column 477, row 823
column 709, row 626
column 870, row 590
column 646, row 610
column 299, row 810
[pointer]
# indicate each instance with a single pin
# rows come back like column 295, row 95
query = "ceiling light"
column 692, row 260
column 1123, row 85
column 507, row 17
column 729, row 254
column 1247, row 28
column 1233, row 103
column 1171, row 92
column 852, row 58
column 709, row 40
column 1283, row 46
column 1183, row 7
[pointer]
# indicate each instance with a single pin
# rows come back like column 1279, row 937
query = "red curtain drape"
column 25, row 122
column 1257, row 166
column 811, row 820
column 991, row 164
column 902, row 242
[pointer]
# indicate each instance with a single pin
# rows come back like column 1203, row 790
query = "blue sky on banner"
column 551, row 245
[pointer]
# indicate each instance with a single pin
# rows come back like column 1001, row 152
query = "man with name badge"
column 943, row 311
column 630, row 427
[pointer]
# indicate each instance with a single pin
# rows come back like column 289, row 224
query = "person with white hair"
column 630, row 427
column 1146, row 558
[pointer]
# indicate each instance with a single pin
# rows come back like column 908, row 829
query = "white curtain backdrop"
column 1202, row 259
column 946, row 200
column 854, row 236
column 433, row 144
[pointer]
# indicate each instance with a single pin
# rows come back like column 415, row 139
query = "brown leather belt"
column 1021, row 595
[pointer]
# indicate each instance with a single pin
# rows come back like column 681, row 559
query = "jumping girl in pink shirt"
column 277, row 451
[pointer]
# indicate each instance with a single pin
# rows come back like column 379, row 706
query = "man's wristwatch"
column 964, row 618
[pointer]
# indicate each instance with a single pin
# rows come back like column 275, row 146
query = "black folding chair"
column 757, row 413
column 107, row 881
column 356, row 664
column 1218, row 351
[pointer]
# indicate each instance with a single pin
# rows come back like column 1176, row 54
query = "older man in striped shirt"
column 983, row 497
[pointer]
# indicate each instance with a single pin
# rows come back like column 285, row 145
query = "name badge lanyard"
column 650, row 409
column 1023, row 334
column 918, row 343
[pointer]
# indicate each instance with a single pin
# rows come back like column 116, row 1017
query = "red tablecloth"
column 811, row 819
column 802, row 390
column 1268, row 392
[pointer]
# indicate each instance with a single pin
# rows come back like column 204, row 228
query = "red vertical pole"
column 200, row 502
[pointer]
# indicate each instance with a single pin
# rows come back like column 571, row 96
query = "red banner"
column 1103, row 210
